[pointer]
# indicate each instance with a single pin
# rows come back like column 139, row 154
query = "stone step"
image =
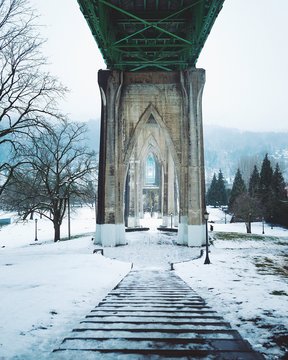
column 157, row 318
column 144, row 312
column 152, row 302
column 154, row 315
column 156, row 333
column 172, row 295
column 131, row 307
column 61, row 354
column 152, row 320
column 152, row 326
column 171, row 344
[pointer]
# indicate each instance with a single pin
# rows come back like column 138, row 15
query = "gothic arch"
column 144, row 118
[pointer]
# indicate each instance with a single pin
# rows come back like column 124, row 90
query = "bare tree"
column 27, row 94
column 247, row 209
column 56, row 168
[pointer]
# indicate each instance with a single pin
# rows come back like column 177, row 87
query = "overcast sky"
column 245, row 58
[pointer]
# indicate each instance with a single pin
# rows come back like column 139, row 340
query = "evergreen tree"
column 266, row 176
column 238, row 188
column 265, row 188
column 221, row 190
column 212, row 192
column 279, row 206
column 278, row 184
column 254, row 183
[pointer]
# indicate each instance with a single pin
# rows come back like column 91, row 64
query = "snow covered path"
column 152, row 249
column 152, row 315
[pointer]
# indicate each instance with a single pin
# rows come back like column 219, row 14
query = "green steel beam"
column 145, row 22
column 150, row 24
column 167, row 35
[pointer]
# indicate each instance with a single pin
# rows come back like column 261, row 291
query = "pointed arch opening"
column 151, row 188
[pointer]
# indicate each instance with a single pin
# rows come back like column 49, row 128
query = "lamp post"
column 36, row 220
column 206, row 217
column 263, row 232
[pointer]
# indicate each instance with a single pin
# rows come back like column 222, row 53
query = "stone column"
column 133, row 220
column 110, row 230
column 191, row 229
column 165, row 195
column 169, row 204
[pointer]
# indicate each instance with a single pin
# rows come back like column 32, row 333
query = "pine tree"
column 278, row 184
column 279, row 198
column 265, row 188
column 238, row 188
column 254, row 183
column 212, row 192
column 216, row 194
column 221, row 190
column 266, row 176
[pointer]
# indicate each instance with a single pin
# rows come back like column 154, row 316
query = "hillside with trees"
column 229, row 149
column 263, row 197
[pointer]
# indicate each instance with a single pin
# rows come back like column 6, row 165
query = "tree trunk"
column 248, row 227
column 56, row 232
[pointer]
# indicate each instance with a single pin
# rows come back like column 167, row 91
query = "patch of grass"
column 279, row 293
column 240, row 236
column 76, row 236
column 268, row 266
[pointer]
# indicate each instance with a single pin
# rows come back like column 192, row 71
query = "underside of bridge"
column 151, row 145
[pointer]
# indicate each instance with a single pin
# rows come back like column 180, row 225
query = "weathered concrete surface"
column 159, row 113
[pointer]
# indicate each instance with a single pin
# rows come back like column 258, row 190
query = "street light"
column 206, row 217
column 36, row 220
column 263, row 225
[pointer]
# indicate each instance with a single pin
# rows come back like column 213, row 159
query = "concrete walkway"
column 154, row 315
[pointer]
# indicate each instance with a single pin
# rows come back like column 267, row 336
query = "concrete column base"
column 133, row 221
column 191, row 235
column 165, row 221
column 176, row 220
column 110, row 235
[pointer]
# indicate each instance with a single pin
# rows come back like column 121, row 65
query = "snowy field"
column 46, row 288
column 246, row 282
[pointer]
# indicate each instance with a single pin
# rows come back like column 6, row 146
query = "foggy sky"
column 245, row 58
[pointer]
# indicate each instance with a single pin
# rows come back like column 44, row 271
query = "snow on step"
column 154, row 319
column 152, row 314
column 165, row 313
column 148, row 327
column 136, row 344
column 164, row 334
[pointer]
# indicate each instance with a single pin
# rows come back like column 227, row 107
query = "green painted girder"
column 135, row 35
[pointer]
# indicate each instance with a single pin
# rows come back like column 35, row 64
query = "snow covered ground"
column 46, row 288
column 246, row 282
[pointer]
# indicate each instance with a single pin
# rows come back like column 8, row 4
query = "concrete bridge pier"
column 151, row 115
column 191, row 228
column 110, row 229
